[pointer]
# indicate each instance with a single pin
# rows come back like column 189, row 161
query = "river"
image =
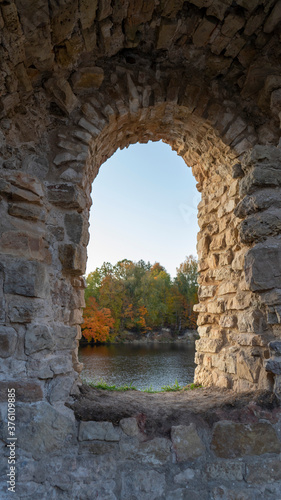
column 142, row 365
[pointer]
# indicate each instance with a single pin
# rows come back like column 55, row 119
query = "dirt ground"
column 157, row 413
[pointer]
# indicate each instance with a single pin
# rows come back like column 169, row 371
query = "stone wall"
column 219, row 449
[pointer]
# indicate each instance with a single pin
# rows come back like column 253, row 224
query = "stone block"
column 234, row 440
column 88, row 78
column 26, row 392
column 258, row 275
column 209, row 345
column 129, row 426
column 66, row 196
column 87, row 12
column 166, row 33
column 142, row 484
column 273, row 365
column 62, row 94
column 43, row 430
column 252, row 321
column 259, row 226
column 101, row 431
column 227, row 470
column 260, row 176
column 275, row 347
column 65, row 336
column 186, row 442
column 155, row 452
column 24, row 310
column 184, row 476
column 26, row 211
column 267, row 471
column 8, row 341
column 74, row 226
column 203, row 32
column 37, row 338
column 73, row 258
column 28, row 278
column 224, row 493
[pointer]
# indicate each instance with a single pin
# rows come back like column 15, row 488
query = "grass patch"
column 176, row 387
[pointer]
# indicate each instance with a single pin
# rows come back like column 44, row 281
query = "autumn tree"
column 97, row 322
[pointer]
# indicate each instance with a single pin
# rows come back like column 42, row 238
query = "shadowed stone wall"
column 80, row 79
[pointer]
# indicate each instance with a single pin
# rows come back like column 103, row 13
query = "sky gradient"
column 144, row 207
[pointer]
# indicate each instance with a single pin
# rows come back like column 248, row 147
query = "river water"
column 142, row 365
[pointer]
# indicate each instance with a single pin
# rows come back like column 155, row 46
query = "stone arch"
column 79, row 79
column 175, row 72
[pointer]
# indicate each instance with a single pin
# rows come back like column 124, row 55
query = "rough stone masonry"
column 79, row 79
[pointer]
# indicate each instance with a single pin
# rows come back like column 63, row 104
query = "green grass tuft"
column 176, row 387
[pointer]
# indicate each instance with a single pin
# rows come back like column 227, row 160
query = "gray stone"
column 65, row 336
column 38, row 338
column 27, row 278
column 66, row 196
column 184, row 476
column 73, row 258
column 259, row 276
column 8, row 341
column 26, row 211
column 25, row 391
column 142, row 484
column 261, row 225
column 59, row 389
column 24, row 310
column 102, row 431
column 275, row 346
column 187, row 443
column 273, row 365
column 41, row 429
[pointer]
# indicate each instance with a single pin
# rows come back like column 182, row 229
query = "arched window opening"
column 141, row 271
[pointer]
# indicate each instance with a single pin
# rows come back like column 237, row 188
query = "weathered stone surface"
column 155, row 452
column 8, row 341
column 26, row 211
column 257, row 275
column 145, row 484
column 23, row 277
column 74, row 225
column 231, row 439
column 88, row 78
column 225, row 471
column 129, row 426
column 103, row 431
column 66, row 195
column 184, row 476
column 73, row 258
column 37, row 338
column 41, row 429
column 187, row 443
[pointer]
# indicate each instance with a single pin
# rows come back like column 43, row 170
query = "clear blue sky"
column 144, row 207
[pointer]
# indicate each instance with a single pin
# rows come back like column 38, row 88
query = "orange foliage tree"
column 97, row 322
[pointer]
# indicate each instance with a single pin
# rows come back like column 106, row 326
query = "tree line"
column 139, row 297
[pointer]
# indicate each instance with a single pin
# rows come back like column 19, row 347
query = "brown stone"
column 88, row 78
column 233, row 440
column 186, row 442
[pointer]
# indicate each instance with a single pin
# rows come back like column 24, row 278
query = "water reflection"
column 142, row 365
